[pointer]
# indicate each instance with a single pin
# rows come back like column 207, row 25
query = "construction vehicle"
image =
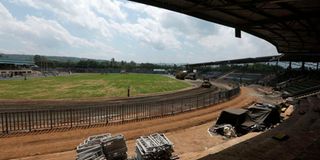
column 206, row 83
column 191, row 76
column 181, row 75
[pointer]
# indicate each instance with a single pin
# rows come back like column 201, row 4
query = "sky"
column 105, row 29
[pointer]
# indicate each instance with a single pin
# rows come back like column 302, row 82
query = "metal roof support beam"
column 272, row 17
column 296, row 11
column 224, row 4
column 205, row 6
column 273, row 20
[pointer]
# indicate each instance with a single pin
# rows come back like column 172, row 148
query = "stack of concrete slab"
column 92, row 142
column 115, row 148
column 153, row 147
column 102, row 147
column 91, row 153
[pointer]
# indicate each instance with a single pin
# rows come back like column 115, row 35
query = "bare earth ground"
column 302, row 143
column 188, row 131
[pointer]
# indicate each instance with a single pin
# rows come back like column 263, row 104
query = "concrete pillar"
column 237, row 33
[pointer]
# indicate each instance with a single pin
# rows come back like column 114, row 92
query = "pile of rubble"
column 154, row 147
column 236, row 122
column 103, row 147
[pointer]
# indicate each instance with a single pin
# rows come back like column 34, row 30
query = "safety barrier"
column 27, row 121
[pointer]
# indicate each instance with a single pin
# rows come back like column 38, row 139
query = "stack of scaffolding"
column 153, row 147
column 102, row 147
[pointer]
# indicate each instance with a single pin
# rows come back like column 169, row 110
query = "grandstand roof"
column 280, row 58
column 291, row 25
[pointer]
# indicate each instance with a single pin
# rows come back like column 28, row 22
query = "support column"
column 237, row 33
column 290, row 67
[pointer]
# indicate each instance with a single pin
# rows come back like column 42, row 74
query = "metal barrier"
column 27, row 121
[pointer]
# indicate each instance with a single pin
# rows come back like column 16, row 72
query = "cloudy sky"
column 105, row 29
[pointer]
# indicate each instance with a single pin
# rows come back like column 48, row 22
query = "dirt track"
column 60, row 145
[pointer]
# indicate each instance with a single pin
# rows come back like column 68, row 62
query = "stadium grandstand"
column 293, row 27
column 11, row 68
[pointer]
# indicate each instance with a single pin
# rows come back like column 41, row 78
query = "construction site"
column 231, row 109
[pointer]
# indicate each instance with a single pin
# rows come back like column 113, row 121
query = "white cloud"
column 151, row 28
column 4, row 13
column 148, row 30
column 208, row 42
column 179, row 37
column 152, row 33
column 109, row 8
column 153, row 12
column 36, row 34
column 82, row 12
column 226, row 46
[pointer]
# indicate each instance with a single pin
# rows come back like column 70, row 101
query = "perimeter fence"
column 35, row 120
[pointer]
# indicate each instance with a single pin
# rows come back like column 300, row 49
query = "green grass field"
column 87, row 86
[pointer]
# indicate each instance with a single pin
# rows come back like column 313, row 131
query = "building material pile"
column 102, row 147
column 154, row 147
column 226, row 130
column 236, row 122
column 229, row 122
column 261, row 116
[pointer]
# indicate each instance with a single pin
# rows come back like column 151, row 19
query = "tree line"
column 44, row 63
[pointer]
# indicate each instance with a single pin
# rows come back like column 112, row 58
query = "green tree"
column 37, row 60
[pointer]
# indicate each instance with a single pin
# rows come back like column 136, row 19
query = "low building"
column 10, row 68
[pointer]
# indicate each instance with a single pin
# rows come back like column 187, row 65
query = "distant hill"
column 65, row 59
column 24, row 57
